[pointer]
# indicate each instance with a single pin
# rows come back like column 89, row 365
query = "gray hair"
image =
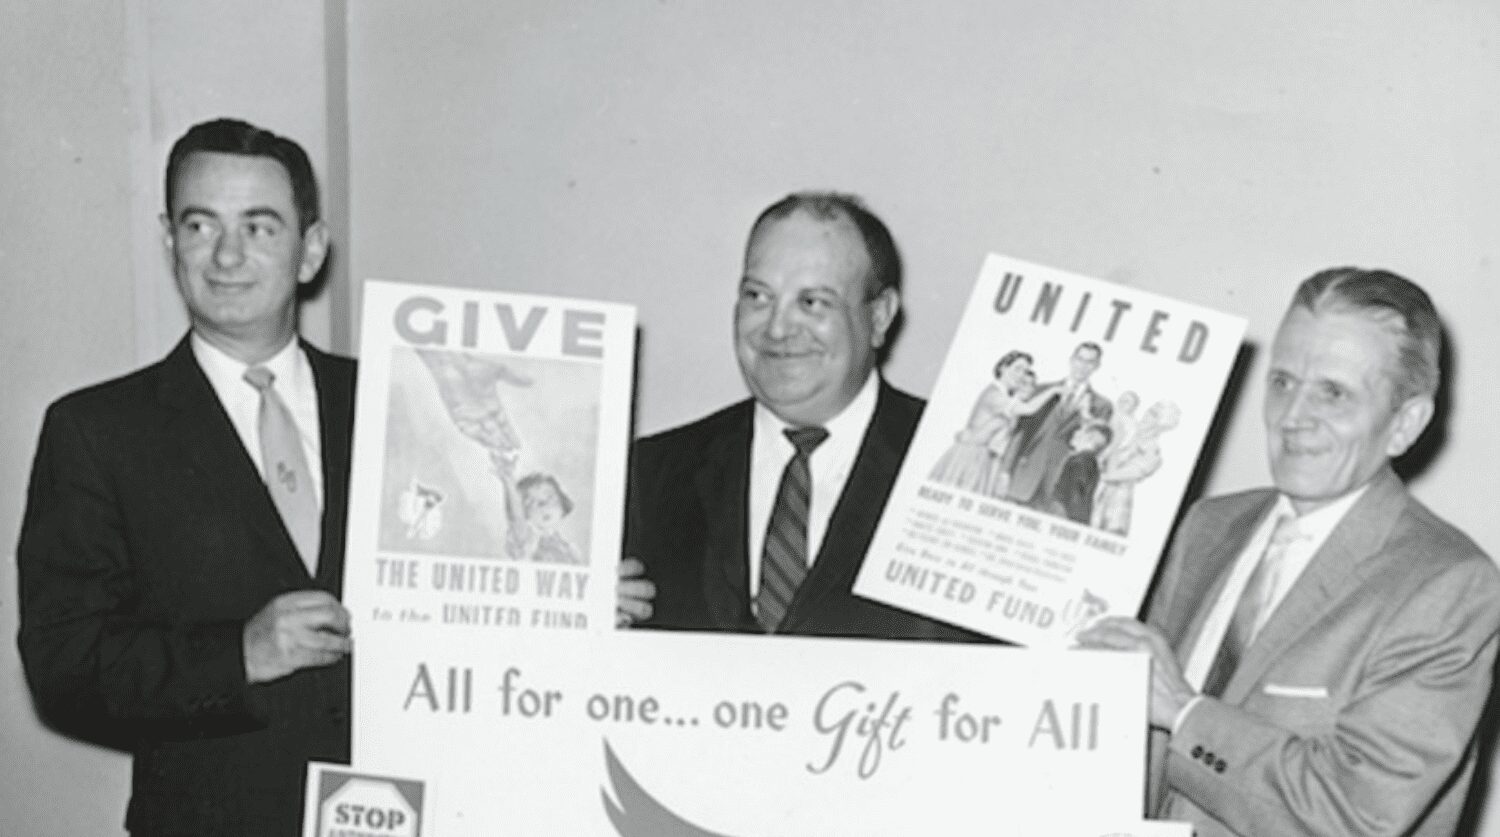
column 1395, row 303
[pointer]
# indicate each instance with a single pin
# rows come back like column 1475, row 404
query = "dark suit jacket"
column 687, row 522
column 148, row 541
column 1073, row 495
column 1354, row 710
column 1040, row 448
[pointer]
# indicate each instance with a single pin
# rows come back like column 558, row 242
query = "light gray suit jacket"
column 1354, row 709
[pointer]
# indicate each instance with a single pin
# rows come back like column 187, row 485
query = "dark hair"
column 885, row 259
column 533, row 480
column 1395, row 303
column 1011, row 357
column 1092, row 346
column 233, row 136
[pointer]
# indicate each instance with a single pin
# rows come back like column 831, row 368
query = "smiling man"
column 756, row 518
column 1322, row 650
column 182, row 546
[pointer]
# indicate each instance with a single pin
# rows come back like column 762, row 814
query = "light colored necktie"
column 783, row 562
column 1253, row 609
column 288, row 477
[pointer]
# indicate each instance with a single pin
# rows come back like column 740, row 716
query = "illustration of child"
column 535, row 505
column 1073, row 494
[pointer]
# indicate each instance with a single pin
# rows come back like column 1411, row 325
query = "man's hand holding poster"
column 1044, row 478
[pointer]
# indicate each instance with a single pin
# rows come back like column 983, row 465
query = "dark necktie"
column 783, row 562
column 1252, row 607
column 288, row 478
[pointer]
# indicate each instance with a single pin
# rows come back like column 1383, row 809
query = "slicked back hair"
column 233, row 136
column 885, row 259
column 1395, row 303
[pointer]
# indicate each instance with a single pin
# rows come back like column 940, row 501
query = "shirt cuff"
column 1183, row 713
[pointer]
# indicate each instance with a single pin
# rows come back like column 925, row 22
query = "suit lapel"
column 722, row 480
column 336, row 417
column 1204, row 577
column 211, row 442
column 1333, row 573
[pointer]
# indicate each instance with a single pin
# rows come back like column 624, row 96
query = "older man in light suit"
column 1322, row 651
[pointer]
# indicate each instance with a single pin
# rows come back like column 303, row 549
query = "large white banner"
column 648, row 734
column 1048, row 467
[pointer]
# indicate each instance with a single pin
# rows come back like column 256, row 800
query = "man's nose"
column 1296, row 409
column 783, row 320
column 229, row 250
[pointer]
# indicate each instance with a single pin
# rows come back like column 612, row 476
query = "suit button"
column 1197, row 751
column 1219, row 766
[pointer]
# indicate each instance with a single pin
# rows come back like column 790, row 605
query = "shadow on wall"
column 1234, row 388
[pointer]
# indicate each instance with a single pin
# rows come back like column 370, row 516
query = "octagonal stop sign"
column 366, row 807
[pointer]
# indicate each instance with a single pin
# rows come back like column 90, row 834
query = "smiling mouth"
column 227, row 286
column 783, row 353
column 788, row 360
column 1302, row 450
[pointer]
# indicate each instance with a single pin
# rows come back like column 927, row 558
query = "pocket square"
column 1277, row 690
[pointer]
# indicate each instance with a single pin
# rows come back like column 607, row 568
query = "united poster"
column 1044, row 477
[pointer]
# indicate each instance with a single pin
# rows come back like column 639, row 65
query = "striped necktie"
column 287, row 475
column 1253, row 608
column 783, row 562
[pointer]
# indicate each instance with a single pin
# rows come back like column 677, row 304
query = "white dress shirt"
column 829, row 465
column 1312, row 531
column 294, row 383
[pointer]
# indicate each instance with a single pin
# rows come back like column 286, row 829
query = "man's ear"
column 1410, row 420
column 883, row 310
column 167, row 236
column 314, row 251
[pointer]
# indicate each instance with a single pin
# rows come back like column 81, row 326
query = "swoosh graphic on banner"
column 639, row 814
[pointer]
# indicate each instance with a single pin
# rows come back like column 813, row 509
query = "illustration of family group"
column 1061, row 448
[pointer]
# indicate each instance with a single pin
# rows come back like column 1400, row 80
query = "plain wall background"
column 1219, row 152
column 1214, row 151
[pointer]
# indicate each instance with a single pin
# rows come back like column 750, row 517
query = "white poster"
column 1048, row 467
column 489, row 465
column 645, row 734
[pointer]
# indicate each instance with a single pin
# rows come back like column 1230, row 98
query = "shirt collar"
column 1317, row 524
column 225, row 372
column 849, row 423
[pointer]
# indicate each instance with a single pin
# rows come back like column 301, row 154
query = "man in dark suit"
column 1043, row 440
column 708, row 512
column 1321, row 652
column 169, row 597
